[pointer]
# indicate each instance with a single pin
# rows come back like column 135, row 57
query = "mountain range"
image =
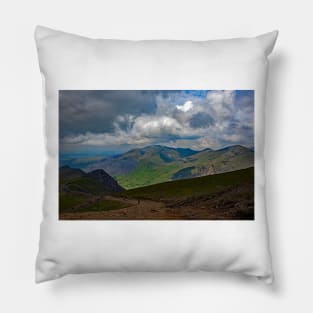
column 156, row 164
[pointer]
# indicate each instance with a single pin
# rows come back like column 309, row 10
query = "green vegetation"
column 97, row 182
column 70, row 200
column 103, row 205
column 221, row 180
column 146, row 174
column 156, row 164
column 84, row 184
column 160, row 164
column 84, row 203
column 193, row 187
column 82, row 192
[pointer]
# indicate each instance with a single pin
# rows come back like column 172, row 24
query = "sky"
column 115, row 121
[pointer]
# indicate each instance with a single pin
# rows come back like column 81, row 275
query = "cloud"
column 157, row 126
column 185, row 107
column 221, row 104
column 96, row 111
column 145, row 130
column 196, row 119
column 201, row 120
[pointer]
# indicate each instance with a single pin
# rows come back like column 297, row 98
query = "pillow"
column 155, row 155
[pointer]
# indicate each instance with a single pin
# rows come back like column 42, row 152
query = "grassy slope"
column 72, row 200
column 83, row 184
column 154, row 167
column 220, row 160
column 67, row 201
column 82, row 189
column 103, row 205
column 153, row 170
column 147, row 174
column 193, row 187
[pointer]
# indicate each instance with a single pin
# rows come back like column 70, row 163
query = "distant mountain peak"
column 153, row 164
column 236, row 147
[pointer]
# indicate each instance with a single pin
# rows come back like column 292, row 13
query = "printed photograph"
column 156, row 155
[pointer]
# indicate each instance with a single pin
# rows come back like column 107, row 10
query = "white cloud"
column 213, row 121
column 75, row 139
column 145, row 130
column 187, row 106
column 232, row 137
column 221, row 104
column 156, row 126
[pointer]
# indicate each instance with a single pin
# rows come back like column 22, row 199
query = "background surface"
column 289, row 154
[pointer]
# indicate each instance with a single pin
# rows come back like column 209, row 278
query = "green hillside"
column 156, row 164
column 147, row 173
column 77, row 187
column 193, row 187
column 153, row 169
column 95, row 182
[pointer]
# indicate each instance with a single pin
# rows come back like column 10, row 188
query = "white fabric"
column 73, row 62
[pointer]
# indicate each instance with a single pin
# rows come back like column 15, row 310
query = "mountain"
column 109, row 183
column 208, row 162
column 67, row 172
column 94, row 182
column 226, row 196
column 127, row 162
column 156, row 164
column 194, row 187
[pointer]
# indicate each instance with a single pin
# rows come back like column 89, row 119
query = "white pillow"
column 206, row 94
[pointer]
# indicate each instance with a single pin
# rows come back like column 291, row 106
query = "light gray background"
column 289, row 156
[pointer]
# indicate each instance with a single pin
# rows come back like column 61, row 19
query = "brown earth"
column 235, row 203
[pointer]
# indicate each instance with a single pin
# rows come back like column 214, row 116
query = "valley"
column 221, row 196
column 155, row 164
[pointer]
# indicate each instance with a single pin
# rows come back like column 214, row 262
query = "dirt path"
column 136, row 209
column 231, row 204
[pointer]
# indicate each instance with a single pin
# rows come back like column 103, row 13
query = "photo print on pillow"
column 156, row 155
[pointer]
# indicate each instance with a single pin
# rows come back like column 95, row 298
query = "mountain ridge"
column 97, row 181
column 155, row 164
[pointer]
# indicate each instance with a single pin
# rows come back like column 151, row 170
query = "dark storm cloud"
column 201, row 120
column 96, row 111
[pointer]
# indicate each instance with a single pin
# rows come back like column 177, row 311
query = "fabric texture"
column 71, row 62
